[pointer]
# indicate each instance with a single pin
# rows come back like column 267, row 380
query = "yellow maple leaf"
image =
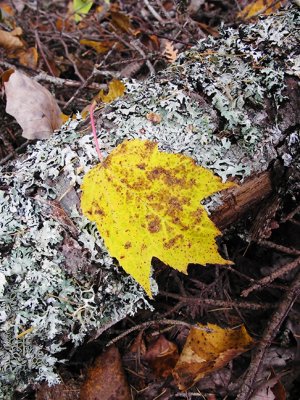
column 146, row 204
column 208, row 348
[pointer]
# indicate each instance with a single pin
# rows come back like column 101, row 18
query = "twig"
column 42, row 76
column 94, row 73
column 69, row 57
column 219, row 303
column 146, row 325
column 153, row 12
column 293, row 221
column 134, row 46
column 279, row 247
column 12, row 155
column 59, row 82
column 270, row 278
column 39, row 45
column 163, row 10
column 173, row 309
column 79, row 90
column 142, row 53
column 271, row 330
column 291, row 214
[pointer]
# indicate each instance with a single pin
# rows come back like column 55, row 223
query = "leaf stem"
column 92, row 109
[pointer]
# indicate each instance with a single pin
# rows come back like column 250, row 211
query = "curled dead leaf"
column 32, row 105
column 100, row 47
column 259, row 7
column 10, row 40
column 207, row 349
column 122, row 21
column 162, row 355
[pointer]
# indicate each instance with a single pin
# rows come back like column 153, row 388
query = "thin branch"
column 13, row 154
column 146, row 325
column 219, row 303
column 70, row 58
column 39, row 45
column 270, row 278
column 153, row 12
column 271, row 330
column 279, row 247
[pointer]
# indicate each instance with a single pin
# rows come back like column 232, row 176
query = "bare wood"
column 239, row 200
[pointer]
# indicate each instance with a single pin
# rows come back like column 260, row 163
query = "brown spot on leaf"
column 106, row 163
column 169, row 177
column 198, row 215
column 174, row 206
column 170, row 243
column 150, row 145
column 141, row 166
column 154, row 225
column 99, row 211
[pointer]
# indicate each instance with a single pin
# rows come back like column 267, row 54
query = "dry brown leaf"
column 154, row 118
column 162, row 355
column 10, row 41
column 258, row 7
column 28, row 57
column 19, row 5
column 7, row 11
column 272, row 389
column 207, row 349
column 106, row 379
column 169, row 52
column 100, row 47
column 32, row 105
column 17, row 48
column 122, row 21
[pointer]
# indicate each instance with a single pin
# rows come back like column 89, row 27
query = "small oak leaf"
column 169, row 52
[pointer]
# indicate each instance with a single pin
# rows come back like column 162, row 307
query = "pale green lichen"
column 237, row 72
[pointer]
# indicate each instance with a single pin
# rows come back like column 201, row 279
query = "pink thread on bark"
column 92, row 108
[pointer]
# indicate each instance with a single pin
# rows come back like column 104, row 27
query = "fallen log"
column 231, row 103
